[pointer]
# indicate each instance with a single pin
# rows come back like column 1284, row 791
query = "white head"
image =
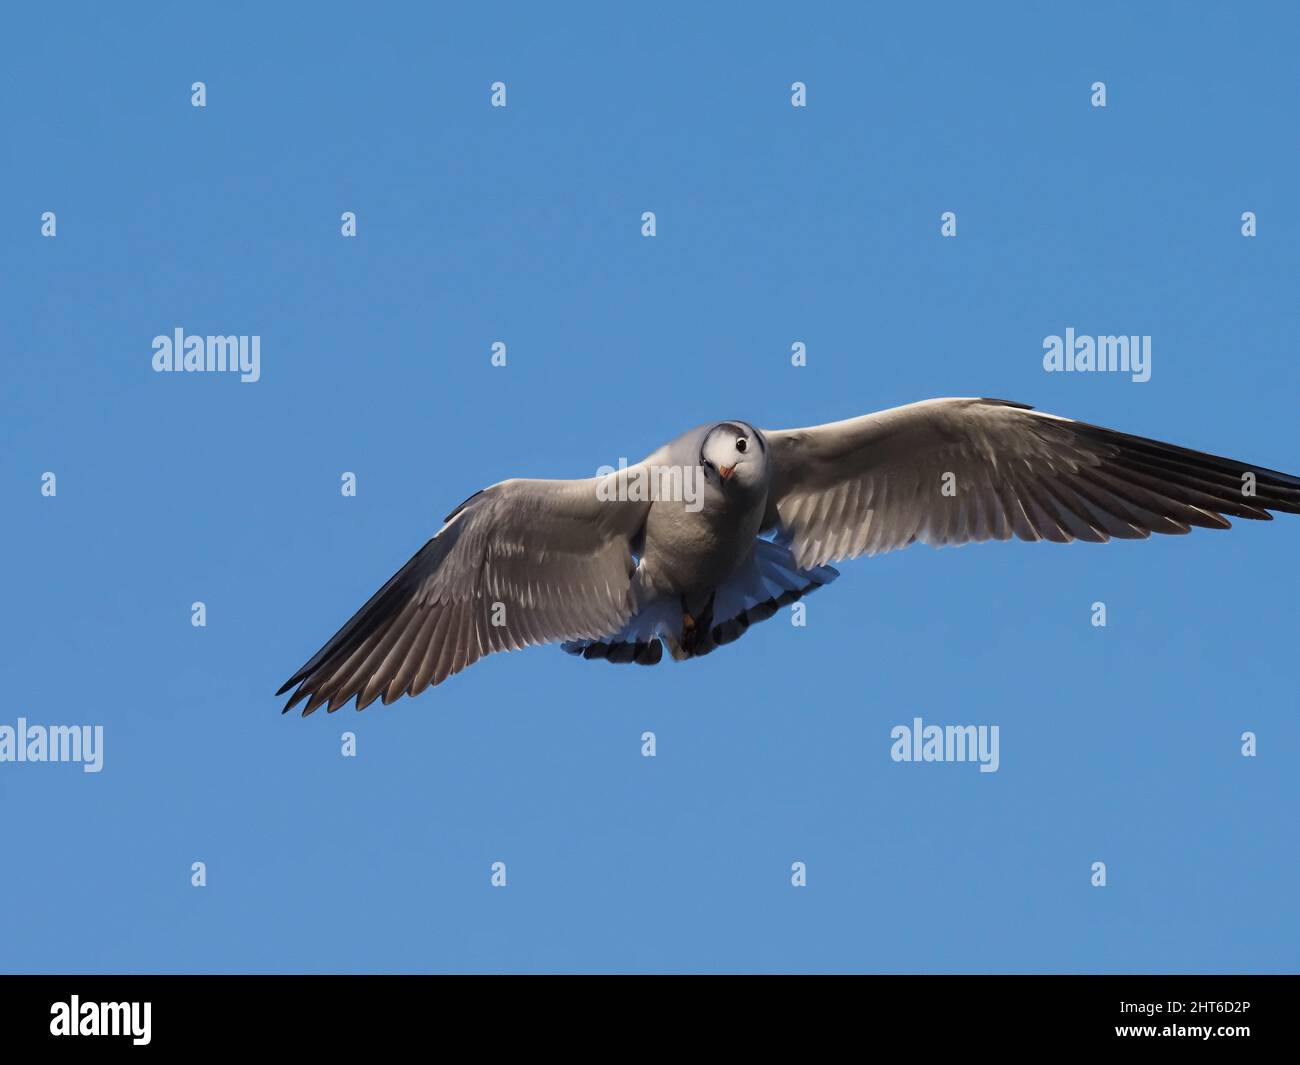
column 734, row 456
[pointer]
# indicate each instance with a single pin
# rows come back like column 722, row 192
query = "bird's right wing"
column 523, row 562
column 953, row 471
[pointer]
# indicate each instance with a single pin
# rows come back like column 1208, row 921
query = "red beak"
column 726, row 471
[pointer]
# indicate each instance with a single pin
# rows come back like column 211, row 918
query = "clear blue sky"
column 522, row 224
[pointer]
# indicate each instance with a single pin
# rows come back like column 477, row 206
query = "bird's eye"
column 741, row 443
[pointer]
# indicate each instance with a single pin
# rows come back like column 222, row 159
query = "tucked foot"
column 689, row 632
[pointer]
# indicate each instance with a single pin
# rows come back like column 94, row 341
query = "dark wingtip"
column 295, row 699
column 1007, row 403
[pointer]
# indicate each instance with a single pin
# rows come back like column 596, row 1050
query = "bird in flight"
column 726, row 524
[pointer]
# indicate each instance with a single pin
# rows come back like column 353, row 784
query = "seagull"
column 725, row 525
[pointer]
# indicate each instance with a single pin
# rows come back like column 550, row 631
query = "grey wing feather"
column 523, row 562
column 955, row 471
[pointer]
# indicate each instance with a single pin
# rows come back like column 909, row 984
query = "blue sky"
column 775, row 224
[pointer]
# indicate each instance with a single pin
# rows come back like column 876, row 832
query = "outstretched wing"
column 523, row 562
column 955, row 471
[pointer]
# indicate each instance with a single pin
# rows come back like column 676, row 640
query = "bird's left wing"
column 954, row 471
column 523, row 562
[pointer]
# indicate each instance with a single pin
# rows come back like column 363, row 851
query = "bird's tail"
column 768, row 580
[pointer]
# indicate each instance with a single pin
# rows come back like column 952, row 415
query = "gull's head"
column 734, row 456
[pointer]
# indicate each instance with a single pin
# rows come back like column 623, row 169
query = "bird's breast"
column 693, row 549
